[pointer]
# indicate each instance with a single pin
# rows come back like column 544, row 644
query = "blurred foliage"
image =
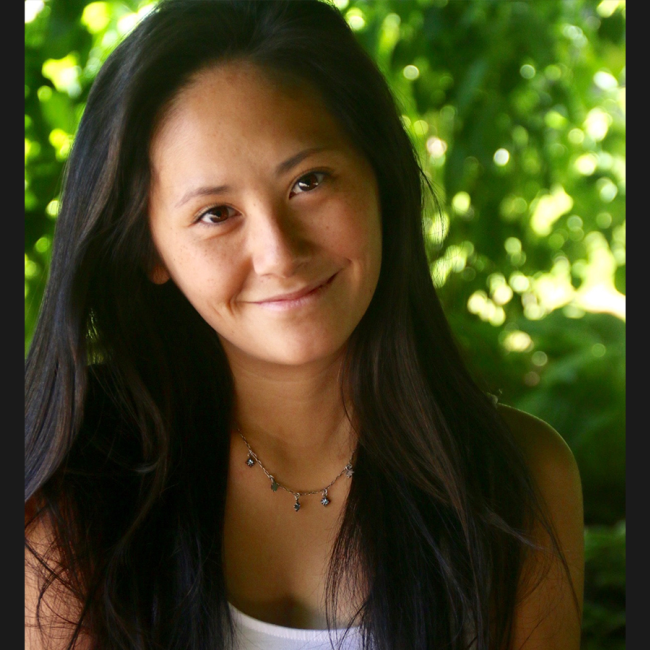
column 517, row 110
column 604, row 612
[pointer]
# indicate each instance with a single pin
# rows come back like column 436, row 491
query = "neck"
column 293, row 417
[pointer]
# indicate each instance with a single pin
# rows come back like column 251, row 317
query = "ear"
column 159, row 274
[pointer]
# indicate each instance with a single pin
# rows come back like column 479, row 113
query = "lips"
column 295, row 295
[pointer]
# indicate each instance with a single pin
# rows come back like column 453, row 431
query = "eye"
column 217, row 214
column 307, row 183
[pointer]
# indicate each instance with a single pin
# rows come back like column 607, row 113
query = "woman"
column 239, row 299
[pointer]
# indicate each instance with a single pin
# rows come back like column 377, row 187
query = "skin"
column 547, row 616
column 271, row 232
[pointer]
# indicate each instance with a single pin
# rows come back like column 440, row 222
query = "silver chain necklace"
column 275, row 484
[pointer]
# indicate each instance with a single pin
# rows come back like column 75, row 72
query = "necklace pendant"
column 274, row 485
column 348, row 470
column 296, row 505
column 250, row 461
column 325, row 501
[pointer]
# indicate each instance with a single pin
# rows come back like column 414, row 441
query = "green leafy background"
column 517, row 110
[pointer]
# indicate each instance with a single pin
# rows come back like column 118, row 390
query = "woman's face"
column 264, row 216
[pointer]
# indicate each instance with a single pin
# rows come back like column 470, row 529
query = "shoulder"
column 50, row 608
column 547, row 455
column 533, row 434
column 555, row 474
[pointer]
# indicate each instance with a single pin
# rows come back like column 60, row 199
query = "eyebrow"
column 282, row 168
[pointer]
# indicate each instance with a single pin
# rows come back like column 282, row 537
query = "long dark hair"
column 129, row 394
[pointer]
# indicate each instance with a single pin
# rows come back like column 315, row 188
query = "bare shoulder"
column 548, row 615
column 549, row 458
column 553, row 469
column 49, row 614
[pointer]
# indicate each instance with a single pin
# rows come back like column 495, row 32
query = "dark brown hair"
column 129, row 394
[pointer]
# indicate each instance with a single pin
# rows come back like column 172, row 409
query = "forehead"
column 240, row 106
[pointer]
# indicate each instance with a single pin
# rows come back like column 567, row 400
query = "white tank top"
column 253, row 634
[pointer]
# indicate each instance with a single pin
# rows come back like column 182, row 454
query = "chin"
column 303, row 356
column 280, row 347
column 288, row 353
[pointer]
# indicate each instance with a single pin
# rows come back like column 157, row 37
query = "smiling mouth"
column 296, row 298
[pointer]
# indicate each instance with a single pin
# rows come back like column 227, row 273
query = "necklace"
column 275, row 484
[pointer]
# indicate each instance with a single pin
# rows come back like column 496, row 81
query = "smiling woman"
column 240, row 299
column 281, row 255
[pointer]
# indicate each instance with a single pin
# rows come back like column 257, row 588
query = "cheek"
column 207, row 276
column 358, row 234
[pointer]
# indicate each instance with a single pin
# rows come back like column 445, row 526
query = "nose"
column 276, row 242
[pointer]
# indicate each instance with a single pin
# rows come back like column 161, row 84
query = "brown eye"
column 218, row 214
column 308, row 182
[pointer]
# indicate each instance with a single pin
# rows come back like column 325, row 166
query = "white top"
column 253, row 634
